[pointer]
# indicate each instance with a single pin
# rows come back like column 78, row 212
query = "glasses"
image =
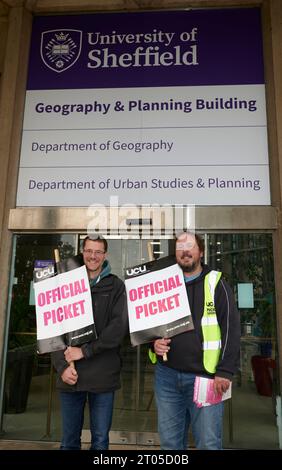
column 94, row 252
column 187, row 246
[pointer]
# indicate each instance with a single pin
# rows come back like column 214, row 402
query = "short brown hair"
column 96, row 238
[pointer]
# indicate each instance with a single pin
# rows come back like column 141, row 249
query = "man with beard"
column 210, row 350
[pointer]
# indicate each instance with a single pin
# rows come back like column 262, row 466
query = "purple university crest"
column 60, row 48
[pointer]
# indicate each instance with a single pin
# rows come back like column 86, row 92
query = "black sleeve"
column 229, row 322
column 112, row 335
column 59, row 362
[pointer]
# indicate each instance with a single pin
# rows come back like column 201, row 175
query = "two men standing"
column 210, row 350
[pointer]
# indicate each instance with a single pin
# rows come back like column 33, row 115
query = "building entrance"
column 30, row 406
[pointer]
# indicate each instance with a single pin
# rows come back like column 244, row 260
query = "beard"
column 188, row 268
column 188, row 264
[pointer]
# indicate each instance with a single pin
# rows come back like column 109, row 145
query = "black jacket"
column 186, row 351
column 99, row 370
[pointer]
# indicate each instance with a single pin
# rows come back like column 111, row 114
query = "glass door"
column 246, row 261
column 27, row 381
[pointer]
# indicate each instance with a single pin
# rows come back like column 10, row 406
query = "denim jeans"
column 100, row 413
column 176, row 412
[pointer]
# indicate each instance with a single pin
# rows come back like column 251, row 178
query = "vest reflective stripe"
column 209, row 321
column 211, row 345
column 210, row 326
column 212, row 280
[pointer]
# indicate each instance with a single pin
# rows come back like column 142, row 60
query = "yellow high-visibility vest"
column 210, row 326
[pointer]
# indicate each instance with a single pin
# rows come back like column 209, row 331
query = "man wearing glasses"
column 96, row 375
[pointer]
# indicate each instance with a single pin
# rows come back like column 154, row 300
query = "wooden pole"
column 151, row 258
column 57, row 255
column 57, row 260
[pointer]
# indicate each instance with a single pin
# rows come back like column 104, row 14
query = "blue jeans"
column 176, row 412
column 100, row 412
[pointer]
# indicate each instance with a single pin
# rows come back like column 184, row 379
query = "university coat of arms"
column 60, row 48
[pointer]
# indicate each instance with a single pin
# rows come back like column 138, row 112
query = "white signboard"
column 63, row 303
column 157, row 304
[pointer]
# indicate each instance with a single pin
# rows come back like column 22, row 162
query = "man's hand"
column 73, row 354
column 69, row 376
column 221, row 385
column 161, row 346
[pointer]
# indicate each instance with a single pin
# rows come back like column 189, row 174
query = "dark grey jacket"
column 99, row 370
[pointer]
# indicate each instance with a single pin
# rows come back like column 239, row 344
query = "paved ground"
column 37, row 445
column 25, row 445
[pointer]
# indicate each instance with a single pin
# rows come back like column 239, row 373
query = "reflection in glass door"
column 247, row 263
column 26, row 385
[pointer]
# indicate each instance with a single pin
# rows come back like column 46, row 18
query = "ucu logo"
column 209, row 304
column 136, row 271
column 47, row 272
